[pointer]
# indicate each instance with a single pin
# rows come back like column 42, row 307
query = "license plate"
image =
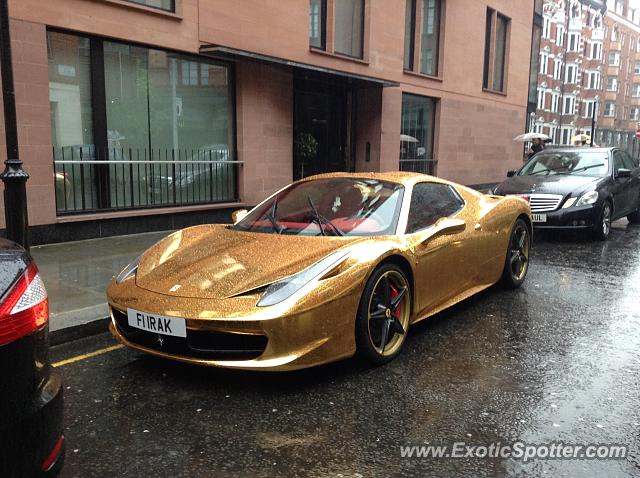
column 539, row 217
column 159, row 324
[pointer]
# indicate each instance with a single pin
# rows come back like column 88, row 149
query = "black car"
column 578, row 188
column 31, row 438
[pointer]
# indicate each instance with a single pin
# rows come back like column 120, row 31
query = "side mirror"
column 511, row 173
column 623, row 173
column 445, row 227
column 238, row 215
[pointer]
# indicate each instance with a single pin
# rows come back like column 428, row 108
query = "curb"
column 69, row 334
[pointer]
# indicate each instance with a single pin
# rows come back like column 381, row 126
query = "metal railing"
column 135, row 179
column 425, row 166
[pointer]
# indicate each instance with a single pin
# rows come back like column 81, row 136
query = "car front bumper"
column 581, row 217
column 300, row 338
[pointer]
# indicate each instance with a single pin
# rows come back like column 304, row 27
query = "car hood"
column 214, row 262
column 553, row 184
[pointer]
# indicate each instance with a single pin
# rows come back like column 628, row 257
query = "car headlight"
column 128, row 271
column 285, row 288
column 587, row 198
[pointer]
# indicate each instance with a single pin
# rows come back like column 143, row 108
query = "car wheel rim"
column 519, row 252
column 389, row 310
column 606, row 220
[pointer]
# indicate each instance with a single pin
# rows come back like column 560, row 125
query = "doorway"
column 323, row 125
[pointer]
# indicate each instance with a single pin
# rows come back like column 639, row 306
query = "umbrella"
column 408, row 139
column 523, row 138
column 579, row 138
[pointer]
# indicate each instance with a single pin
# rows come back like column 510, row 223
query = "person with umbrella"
column 537, row 140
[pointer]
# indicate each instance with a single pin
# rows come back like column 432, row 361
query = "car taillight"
column 25, row 307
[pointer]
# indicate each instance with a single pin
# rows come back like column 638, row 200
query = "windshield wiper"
column 271, row 216
column 323, row 220
column 587, row 167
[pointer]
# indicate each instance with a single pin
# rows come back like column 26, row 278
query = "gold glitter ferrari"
column 328, row 267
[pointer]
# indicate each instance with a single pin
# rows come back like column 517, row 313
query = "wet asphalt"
column 557, row 360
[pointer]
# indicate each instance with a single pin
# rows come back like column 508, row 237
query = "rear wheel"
column 634, row 217
column 603, row 226
column 516, row 263
column 383, row 315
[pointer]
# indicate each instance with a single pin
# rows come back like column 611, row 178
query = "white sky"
column 634, row 3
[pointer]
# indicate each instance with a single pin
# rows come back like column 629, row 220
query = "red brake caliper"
column 393, row 295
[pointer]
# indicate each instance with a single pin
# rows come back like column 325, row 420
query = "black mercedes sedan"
column 31, row 438
column 578, row 188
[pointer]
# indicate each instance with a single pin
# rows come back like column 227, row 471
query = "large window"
column 161, row 121
column 168, row 5
column 349, row 27
column 416, row 134
column 422, row 23
column 495, row 51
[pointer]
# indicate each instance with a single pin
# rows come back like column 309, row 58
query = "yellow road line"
column 77, row 358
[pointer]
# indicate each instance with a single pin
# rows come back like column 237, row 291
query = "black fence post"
column 13, row 176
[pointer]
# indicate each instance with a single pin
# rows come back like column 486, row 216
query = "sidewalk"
column 76, row 275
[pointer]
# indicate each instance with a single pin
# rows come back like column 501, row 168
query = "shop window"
column 161, row 121
column 417, row 133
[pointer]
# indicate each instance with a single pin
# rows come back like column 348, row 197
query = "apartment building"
column 141, row 115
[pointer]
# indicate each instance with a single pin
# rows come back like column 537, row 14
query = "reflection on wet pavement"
column 76, row 274
column 558, row 360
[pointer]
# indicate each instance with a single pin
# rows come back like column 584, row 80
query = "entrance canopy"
column 234, row 53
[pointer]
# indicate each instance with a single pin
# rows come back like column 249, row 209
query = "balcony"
column 575, row 24
column 613, row 70
column 597, row 34
column 634, row 101
column 615, row 46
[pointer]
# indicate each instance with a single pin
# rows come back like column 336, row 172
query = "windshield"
column 579, row 163
column 330, row 207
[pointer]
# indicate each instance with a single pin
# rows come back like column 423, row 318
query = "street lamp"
column 532, row 117
column 593, row 118
column 13, row 176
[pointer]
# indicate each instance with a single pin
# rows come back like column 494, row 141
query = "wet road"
column 558, row 360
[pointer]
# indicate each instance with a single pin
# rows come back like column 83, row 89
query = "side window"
column 618, row 162
column 430, row 202
column 629, row 162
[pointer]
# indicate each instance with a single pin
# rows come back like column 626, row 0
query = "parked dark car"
column 578, row 188
column 31, row 435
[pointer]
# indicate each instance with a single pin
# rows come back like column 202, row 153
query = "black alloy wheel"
column 516, row 263
column 383, row 315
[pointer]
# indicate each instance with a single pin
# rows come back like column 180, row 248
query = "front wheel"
column 603, row 226
column 383, row 315
column 516, row 263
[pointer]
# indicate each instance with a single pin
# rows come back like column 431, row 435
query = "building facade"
column 589, row 72
column 153, row 114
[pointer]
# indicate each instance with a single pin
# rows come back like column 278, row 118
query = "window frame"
column 415, row 40
column 409, row 199
column 322, row 27
column 488, row 79
column 329, row 32
column 173, row 10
